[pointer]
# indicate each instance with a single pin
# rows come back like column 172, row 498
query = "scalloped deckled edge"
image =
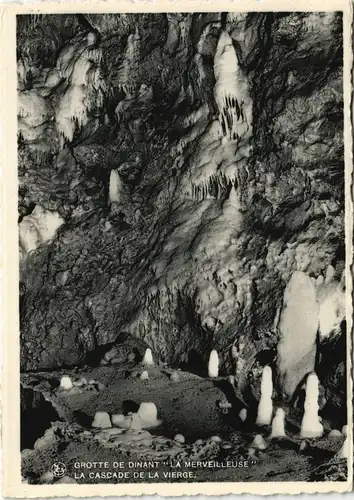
column 12, row 486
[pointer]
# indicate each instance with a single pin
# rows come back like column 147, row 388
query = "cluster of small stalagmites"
column 116, row 356
column 142, row 371
column 131, row 350
column 311, row 424
column 130, row 432
column 144, row 418
column 78, row 386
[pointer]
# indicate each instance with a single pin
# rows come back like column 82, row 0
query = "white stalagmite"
column 118, row 419
column 213, row 366
column 311, row 427
column 148, row 414
column 345, row 449
column 102, row 420
column 335, row 433
column 298, row 332
column 259, row 443
column 115, row 187
column 265, row 406
column 66, row 383
column 174, row 377
column 179, row 438
column 148, row 359
column 243, row 414
column 278, row 424
column 135, row 423
column 231, row 91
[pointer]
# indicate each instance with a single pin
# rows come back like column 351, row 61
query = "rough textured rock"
column 224, row 133
column 37, row 414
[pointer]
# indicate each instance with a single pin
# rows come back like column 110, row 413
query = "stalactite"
column 130, row 65
column 182, row 32
column 231, row 92
column 85, row 91
column 215, row 182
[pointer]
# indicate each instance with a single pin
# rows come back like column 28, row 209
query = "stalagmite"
column 330, row 273
column 345, row 449
column 278, row 424
column 80, row 382
column 118, row 419
column 135, row 423
column 213, row 366
column 101, row 420
column 148, row 415
column 115, row 187
column 265, row 406
column 144, row 375
column 335, row 433
column 179, row 438
column 298, row 331
column 311, row 427
column 148, row 359
column 66, row 383
column 243, row 414
column 259, row 443
column 174, row 377
column 46, row 478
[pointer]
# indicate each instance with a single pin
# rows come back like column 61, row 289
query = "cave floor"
column 189, row 407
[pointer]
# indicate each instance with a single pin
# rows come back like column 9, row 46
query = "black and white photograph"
column 182, row 255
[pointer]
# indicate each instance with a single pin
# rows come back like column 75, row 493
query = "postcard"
column 177, row 246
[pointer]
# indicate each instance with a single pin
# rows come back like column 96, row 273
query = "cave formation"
column 181, row 179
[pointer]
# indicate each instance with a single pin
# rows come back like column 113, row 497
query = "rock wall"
column 196, row 163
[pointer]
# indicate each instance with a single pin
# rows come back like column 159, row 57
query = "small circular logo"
column 58, row 469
